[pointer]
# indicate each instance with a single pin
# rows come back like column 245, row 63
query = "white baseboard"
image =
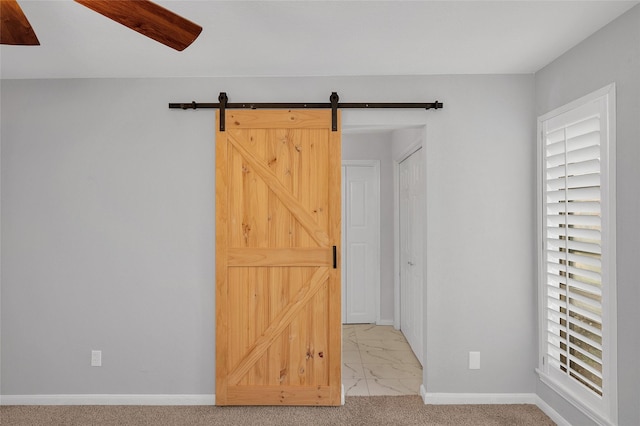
column 423, row 393
column 477, row 398
column 384, row 322
column 114, row 399
column 553, row 414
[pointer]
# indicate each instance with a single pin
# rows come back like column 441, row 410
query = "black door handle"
column 335, row 257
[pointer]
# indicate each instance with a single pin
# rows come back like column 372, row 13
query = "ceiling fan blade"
column 16, row 29
column 149, row 19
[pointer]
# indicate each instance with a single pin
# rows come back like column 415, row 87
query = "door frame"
column 355, row 121
column 376, row 285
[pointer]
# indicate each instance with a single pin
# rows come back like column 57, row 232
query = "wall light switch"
column 474, row 360
column 96, row 358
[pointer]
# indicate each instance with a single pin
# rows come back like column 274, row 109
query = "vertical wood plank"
column 301, row 141
column 335, row 289
column 280, row 222
column 235, row 203
column 222, row 220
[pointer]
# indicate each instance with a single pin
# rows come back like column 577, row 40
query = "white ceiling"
column 312, row 38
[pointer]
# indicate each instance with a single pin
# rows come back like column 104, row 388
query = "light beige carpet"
column 374, row 410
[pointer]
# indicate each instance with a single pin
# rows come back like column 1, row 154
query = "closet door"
column 361, row 224
column 411, row 250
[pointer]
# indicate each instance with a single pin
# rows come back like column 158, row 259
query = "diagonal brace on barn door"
column 297, row 210
column 279, row 323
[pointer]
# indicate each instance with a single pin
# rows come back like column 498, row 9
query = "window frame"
column 601, row 410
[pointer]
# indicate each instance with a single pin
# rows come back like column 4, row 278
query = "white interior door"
column 411, row 250
column 361, row 229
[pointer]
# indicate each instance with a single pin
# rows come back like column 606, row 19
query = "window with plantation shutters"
column 576, row 260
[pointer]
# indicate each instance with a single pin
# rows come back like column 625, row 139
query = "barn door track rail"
column 333, row 104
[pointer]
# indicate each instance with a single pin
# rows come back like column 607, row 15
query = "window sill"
column 597, row 416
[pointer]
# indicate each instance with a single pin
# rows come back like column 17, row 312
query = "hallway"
column 377, row 360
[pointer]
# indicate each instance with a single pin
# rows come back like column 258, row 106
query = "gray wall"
column 612, row 55
column 107, row 228
column 480, row 225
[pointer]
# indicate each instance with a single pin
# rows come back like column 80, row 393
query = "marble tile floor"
column 377, row 360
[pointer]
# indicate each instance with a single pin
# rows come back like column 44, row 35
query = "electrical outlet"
column 474, row 360
column 96, row 358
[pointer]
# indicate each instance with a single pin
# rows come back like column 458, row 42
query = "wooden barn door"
column 278, row 211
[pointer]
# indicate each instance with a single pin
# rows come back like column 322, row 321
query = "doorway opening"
column 378, row 358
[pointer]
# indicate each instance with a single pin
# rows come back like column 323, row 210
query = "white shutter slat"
column 584, row 247
column 578, row 348
column 583, row 127
column 555, row 267
column 584, row 340
column 555, row 244
column 588, row 381
column 555, row 208
column 587, row 354
column 574, row 181
column 586, row 274
column 593, row 289
column 579, row 194
column 555, row 304
column 555, row 340
column 587, row 314
column 583, row 207
column 554, row 316
column 555, row 184
column 556, row 160
column 584, row 194
column 554, row 335
column 554, row 257
column 589, row 327
column 590, row 304
column 554, row 232
column 582, row 181
column 555, row 148
column 584, row 220
column 554, row 293
column 583, row 154
column 555, row 281
column 554, row 137
column 556, row 196
column 555, row 352
column 586, row 366
column 556, row 172
column 585, row 140
column 573, row 169
column 583, row 168
column 592, row 347
column 580, row 220
column 586, row 260
column 588, row 207
column 584, row 234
